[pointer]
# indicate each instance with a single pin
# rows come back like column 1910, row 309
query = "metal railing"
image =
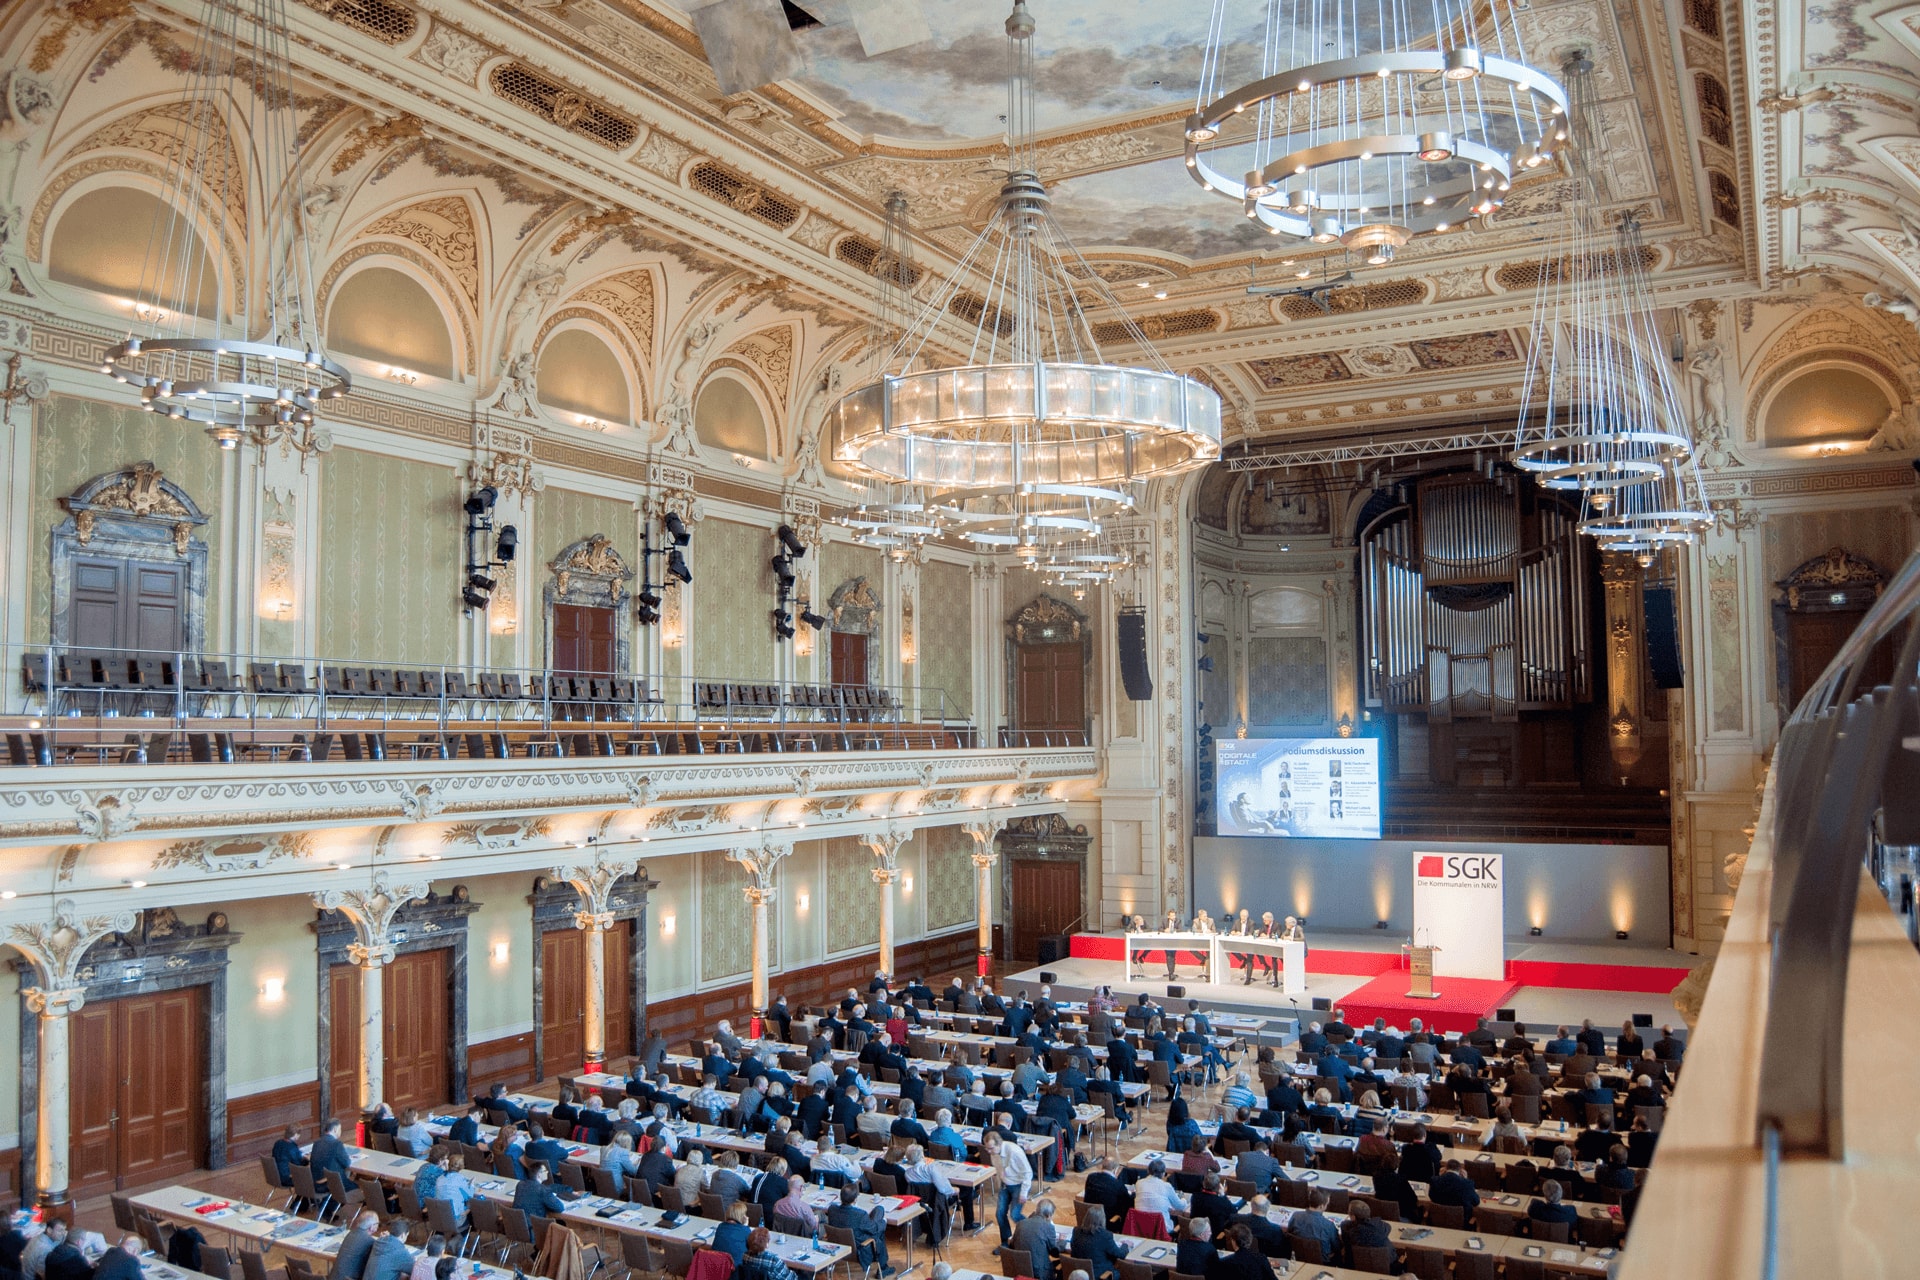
column 1846, row 771
column 69, row 705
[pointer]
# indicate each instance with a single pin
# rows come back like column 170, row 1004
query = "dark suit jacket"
column 1193, row 1257
column 1106, row 1190
column 656, row 1168
column 1593, row 1040
column 466, row 1129
column 1368, row 1233
column 1420, row 1161
column 66, row 1262
column 351, row 1259
column 390, row 1260
column 286, row 1154
column 813, row 1109
column 329, row 1153
column 118, row 1264
column 1628, row 1046
column 1669, row 1050
column 1524, row 1084
column 1242, row 1264
column 1266, row 1233
column 536, row 1199
column 1452, row 1188
column 1541, row 1211
column 1397, row 1188
column 548, row 1152
column 1216, row 1208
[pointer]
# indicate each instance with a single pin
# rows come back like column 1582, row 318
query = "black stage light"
column 676, row 529
column 792, row 543
column 650, row 598
column 783, row 624
column 482, row 500
column 783, row 570
column 812, row 619
column 508, row 544
column 474, row 599
column 480, row 581
column 1620, row 935
column 677, row 566
column 647, row 614
column 1534, row 932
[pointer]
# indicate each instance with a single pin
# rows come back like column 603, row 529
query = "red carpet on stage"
column 1462, row 1002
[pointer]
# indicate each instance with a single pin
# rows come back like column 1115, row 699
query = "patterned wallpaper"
column 726, row 921
column 562, row 517
column 733, row 595
column 1286, row 680
column 949, row 899
column 75, row 440
column 946, row 637
column 1878, row 533
column 390, row 558
column 853, row 900
column 841, row 561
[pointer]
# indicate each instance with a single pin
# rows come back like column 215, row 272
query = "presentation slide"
column 1323, row 787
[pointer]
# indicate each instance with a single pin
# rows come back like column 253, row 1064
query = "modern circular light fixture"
column 1400, row 112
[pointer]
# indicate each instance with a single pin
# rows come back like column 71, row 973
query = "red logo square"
column 1432, row 864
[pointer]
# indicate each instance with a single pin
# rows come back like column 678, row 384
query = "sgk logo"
column 1467, row 867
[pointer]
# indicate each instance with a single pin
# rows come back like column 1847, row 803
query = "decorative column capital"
column 595, row 883
column 56, row 948
column 984, row 833
column 761, row 862
column 372, row 911
column 593, row 921
column 885, row 846
column 56, row 1003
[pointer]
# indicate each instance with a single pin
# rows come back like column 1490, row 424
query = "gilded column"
column 56, row 951
column 986, row 855
column 885, row 846
column 371, row 911
column 595, row 885
column 1626, row 649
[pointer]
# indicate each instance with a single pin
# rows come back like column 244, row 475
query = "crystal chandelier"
column 256, row 362
column 1600, row 413
column 1368, row 122
column 1033, row 435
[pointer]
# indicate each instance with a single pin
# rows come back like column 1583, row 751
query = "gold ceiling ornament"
column 257, row 366
column 1034, row 435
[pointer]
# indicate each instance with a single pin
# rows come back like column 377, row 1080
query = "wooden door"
column 582, row 640
column 1814, row 638
column 138, row 1090
column 563, row 1001
column 620, row 989
column 847, row 658
column 415, row 1004
column 1046, row 900
column 127, row 604
column 343, row 1042
column 1050, row 686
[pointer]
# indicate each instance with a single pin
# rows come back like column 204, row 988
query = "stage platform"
column 1364, row 972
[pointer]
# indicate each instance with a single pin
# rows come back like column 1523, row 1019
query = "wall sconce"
column 666, row 924
column 907, row 654
column 906, row 882
column 499, row 952
column 283, row 609
column 801, row 900
column 408, row 376
column 273, row 991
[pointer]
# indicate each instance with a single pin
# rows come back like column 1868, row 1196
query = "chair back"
column 297, row 1269
column 1308, row 1249
column 1598, row 1111
column 1553, row 1232
column 440, row 1219
column 637, row 1253
column 383, row 1143
column 215, row 1262
column 485, row 1214
column 1475, row 1105
column 1372, row 1257
column 603, row 1185
column 1447, row 1215
column 1145, row 1224
column 1383, row 1209
column 712, row 1206
column 1654, row 1116
column 710, row 1264
column 268, row 1170
column 668, row 1197
column 883, row 1184
column 1337, row 1159
column 1522, row 1179
column 573, row 1175
column 253, row 1264
column 787, row 1224
column 1525, row 1107
column 1468, row 1264
column 1015, row 1262
column 1427, row 1264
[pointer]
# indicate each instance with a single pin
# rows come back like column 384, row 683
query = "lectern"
column 1420, row 961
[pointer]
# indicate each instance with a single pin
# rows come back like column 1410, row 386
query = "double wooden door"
column 846, row 658
column 1045, row 896
column 138, row 1084
column 127, row 604
column 563, row 997
column 1050, row 683
column 415, row 1005
column 583, row 640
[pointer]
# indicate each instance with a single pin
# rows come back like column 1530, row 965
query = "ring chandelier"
column 1034, row 435
column 1369, row 122
column 231, row 378
column 1600, row 412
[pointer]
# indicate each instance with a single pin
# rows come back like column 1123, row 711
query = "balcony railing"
column 99, row 706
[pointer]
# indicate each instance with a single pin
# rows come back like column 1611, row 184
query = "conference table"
column 1217, row 948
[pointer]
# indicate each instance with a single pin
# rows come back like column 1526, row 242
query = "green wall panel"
column 390, row 559
column 853, row 900
column 726, row 921
column 946, row 638
column 949, row 854
column 733, row 595
column 561, row 517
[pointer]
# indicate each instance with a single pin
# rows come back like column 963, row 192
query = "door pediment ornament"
column 1047, row 621
column 141, row 497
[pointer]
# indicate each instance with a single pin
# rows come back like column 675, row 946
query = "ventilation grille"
column 744, row 196
column 875, row 261
column 1168, row 324
column 971, row 307
column 387, row 23
column 553, row 101
column 1372, row 297
column 1529, row 275
column 1704, row 16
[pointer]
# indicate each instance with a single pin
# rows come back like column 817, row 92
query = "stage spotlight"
column 482, row 500
column 646, row 614
column 676, row 529
column 650, row 598
column 1620, row 935
column 1379, row 924
column 474, row 599
column 508, row 544
column 790, row 541
column 783, row 570
column 481, row 582
column 812, row 619
column 783, row 624
column 1534, row 932
column 677, row 566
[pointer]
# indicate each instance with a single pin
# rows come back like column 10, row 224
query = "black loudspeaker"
column 1049, row 977
column 1504, row 1015
column 1130, row 631
column 1663, row 638
column 1050, row 949
column 1321, row 1004
column 1642, row 1019
column 1174, row 993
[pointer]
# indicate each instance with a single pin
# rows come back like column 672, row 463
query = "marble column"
column 762, row 864
column 986, row 855
column 595, row 884
column 886, row 852
column 372, row 911
column 53, row 1133
column 57, row 950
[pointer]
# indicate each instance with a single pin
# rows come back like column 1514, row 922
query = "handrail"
column 1830, row 770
